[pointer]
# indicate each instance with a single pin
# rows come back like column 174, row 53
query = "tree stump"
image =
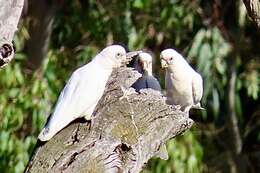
column 253, row 10
column 127, row 129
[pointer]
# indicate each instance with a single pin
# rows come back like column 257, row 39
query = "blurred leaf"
column 216, row 103
column 204, row 58
column 252, row 83
column 138, row 4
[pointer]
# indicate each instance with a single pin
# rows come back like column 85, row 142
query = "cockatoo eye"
column 171, row 58
column 118, row 55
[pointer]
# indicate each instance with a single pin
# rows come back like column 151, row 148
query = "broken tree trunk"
column 253, row 9
column 124, row 134
column 10, row 12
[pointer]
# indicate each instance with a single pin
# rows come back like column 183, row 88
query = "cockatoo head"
column 144, row 63
column 116, row 56
column 170, row 57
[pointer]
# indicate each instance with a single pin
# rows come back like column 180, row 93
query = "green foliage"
column 209, row 50
column 24, row 101
column 185, row 155
column 251, row 79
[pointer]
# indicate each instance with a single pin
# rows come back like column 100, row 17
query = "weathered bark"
column 253, row 9
column 10, row 12
column 125, row 133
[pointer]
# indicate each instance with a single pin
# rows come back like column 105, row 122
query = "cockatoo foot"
column 126, row 92
column 177, row 107
column 198, row 106
column 187, row 109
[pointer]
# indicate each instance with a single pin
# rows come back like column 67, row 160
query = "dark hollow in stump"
column 125, row 132
column 10, row 12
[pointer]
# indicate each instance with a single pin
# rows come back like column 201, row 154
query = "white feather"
column 78, row 99
column 83, row 91
column 184, row 86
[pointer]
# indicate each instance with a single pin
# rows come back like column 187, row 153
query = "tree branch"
column 125, row 133
column 253, row 9
column 10, row 12
column 237, row 141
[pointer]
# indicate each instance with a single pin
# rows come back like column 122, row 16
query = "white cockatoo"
column 144, row 65
column 84, row 89
column 184, row 86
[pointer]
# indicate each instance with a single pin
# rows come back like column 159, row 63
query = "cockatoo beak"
column 130, row 55
column 164, row 63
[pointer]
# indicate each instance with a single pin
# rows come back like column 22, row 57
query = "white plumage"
column 83, row 90
column 184, row 86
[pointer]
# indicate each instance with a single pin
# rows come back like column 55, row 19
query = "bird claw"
column 126, row 92
column 177, row 107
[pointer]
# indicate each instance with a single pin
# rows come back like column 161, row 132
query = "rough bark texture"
column 125, row 133
column 10, row 12
column 253, row 9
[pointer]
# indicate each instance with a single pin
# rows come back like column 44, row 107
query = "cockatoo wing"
column 146, row 81
column 78, row 98
column 153, row 83
column 197, row 88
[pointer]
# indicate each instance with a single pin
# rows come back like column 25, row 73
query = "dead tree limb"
column 253, row 9
column 125, row 133
column 10, row 12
